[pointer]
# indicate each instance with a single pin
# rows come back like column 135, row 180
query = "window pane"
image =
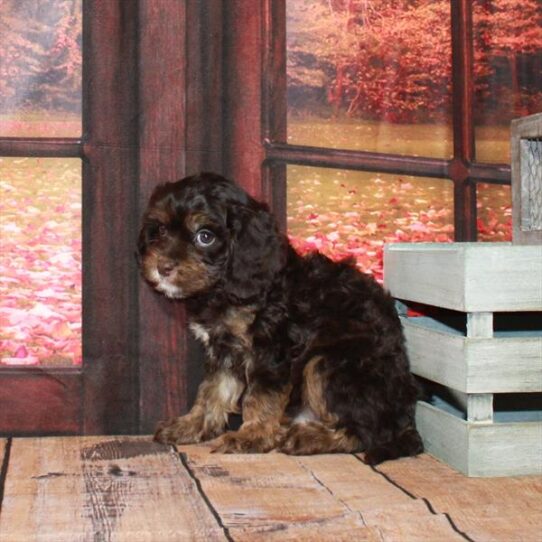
column 352, row 213
column 40, row 261
column 40, row 68
column 494, row 204
column 370, row 75
column 508, row 71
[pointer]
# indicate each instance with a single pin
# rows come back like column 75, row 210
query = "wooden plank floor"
column 129, row 488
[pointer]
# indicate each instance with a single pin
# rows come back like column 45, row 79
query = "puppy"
column 309, row 351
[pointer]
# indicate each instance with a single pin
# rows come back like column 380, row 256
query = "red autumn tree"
column 40, row 55
column 392, row 60
column 508, row 55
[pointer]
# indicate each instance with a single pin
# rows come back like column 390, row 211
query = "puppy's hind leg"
column 377, row 405
column 322, row 434
column 309, row 438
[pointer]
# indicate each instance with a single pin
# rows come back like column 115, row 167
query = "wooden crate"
column 485, row 415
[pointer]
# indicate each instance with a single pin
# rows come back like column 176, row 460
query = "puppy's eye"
column 205, row 238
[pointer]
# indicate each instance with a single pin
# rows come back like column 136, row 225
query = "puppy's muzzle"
column 165, row 267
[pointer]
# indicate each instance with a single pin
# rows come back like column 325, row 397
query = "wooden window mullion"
column 42, row 147
column 463, row 122
column 110, row 217
column 357, row 160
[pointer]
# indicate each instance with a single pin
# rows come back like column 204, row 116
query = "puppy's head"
column 203, row 234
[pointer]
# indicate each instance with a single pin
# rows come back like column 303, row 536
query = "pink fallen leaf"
column 21, row 352
column 43, row 311
column 61, row 330
column 418, row 227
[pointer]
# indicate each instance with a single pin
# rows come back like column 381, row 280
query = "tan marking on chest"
column 238, row 321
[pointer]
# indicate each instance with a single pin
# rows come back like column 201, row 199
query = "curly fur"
column 309, row 350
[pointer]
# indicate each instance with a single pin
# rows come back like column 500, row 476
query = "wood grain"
column 261, row 489
column 179, row 134
column 161, row 158
column 101, row 488
column 492, row 509
column 329, row 497
column 40, row 401
column 242, row 94
column 463, row 121
column 41, row 146
column 381, row 505
column 129, row 488
column 110, row 220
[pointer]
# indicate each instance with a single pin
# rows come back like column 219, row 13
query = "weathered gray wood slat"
column 466, row 277
column 480, row 325
column 102, row 489
column 478, row 449
column 474, row 365
column 444, row 436
column 480, row 407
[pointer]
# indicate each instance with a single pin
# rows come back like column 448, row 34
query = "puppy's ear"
column 257, row 252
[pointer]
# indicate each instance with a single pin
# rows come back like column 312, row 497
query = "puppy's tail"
column 407, row 443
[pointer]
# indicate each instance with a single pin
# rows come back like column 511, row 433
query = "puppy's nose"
column 165, row 268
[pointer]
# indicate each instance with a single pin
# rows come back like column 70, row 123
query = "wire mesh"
column 531, row 184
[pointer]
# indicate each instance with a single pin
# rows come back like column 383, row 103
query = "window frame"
column 30, row 403
column 463, row 170
column 223, row 109
column 138, row 364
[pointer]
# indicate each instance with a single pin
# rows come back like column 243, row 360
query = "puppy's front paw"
column 183, row 430
column 243, row 442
